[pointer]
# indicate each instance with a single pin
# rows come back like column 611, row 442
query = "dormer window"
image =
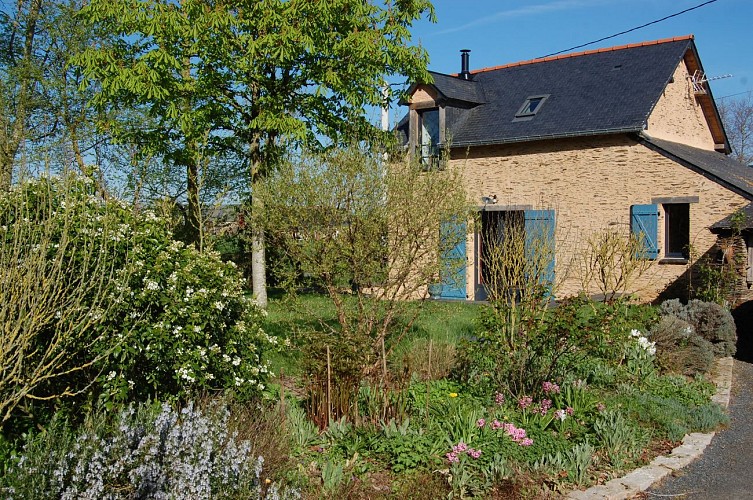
column 530, row 107
column 428, row 137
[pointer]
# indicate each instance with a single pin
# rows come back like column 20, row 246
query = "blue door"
column 540, row 250
column 453, row 260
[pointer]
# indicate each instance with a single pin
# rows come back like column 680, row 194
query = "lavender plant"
column 154, row 451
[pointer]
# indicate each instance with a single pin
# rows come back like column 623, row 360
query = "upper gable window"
column 428, row 138
column 530, row 107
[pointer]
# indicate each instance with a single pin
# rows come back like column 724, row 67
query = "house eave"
column 540, row 137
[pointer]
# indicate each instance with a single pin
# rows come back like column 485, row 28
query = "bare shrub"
column 427, row 358
column 519, row 274
column 612, row 261
column 55, row 291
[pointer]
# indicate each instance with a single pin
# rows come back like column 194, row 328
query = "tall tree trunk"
column 258, row 262
column 193, row 215
column 258, row 257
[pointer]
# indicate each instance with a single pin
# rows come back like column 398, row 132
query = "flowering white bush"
column 175, row 320
column 188, row 322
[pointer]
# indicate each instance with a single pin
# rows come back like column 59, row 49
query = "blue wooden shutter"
column 644, row 224
column 539, row 226
column 452, row 257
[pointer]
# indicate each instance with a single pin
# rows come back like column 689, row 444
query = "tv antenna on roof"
column 699, row 78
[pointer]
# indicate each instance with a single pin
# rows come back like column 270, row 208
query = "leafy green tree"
column 19, row 91
column 47, row 120
column 253, row 76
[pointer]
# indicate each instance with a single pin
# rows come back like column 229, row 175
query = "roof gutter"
column 529, row 138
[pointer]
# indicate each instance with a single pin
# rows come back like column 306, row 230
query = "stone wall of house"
column 591, row 183
column 678, row 116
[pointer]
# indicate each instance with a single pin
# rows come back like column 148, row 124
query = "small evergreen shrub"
column 709, row 320
column 679, row 348
column 715, row 324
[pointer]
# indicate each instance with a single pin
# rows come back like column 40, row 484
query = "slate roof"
column 727, row 223
column 715, row 166
column 602, row 91
column 596, row 92
column 456, row 89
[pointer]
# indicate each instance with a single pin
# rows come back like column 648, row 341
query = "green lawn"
column 442, row 322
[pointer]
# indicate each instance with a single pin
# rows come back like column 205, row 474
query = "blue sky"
column 504, row 31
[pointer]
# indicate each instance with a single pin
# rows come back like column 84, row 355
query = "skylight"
column 530, row 107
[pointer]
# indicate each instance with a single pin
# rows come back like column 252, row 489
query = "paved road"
column 725, row 470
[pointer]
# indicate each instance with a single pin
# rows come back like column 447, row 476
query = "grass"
column 442, row 322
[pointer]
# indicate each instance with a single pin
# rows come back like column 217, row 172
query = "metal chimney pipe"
column 465, row 73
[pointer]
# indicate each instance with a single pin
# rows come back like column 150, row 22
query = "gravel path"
column 725, row 470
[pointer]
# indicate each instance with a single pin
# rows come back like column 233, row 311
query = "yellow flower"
column 453, row 394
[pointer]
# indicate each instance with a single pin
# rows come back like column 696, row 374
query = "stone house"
column 623, row 137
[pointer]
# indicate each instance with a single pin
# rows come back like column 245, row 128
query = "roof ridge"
column 583, row 53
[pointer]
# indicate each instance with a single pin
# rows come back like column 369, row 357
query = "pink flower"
column 474, row 453
column 518, row 434
column 525, row 442
column 525, row 402
column 452, row 457
column 496, row 424
column 601, row 407
column 570, row 411
column 550, row 388
column 560, row 414
column 460, row 447
column 499, row 398
column 480, row 422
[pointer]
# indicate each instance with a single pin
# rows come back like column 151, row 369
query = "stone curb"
column 691, row 448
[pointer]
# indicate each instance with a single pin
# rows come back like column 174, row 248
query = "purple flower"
column 525, row 402
column 525, row 442
column 480, row 422
column 452, row 457
column 499, row 398
column 474, row 453
column 496, row 424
